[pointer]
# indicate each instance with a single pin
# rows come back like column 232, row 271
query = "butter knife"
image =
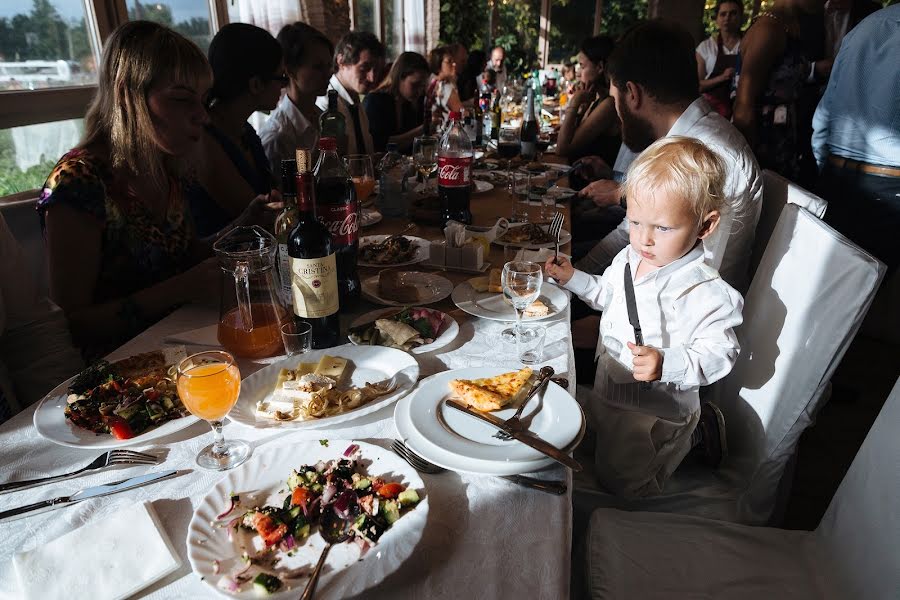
column 527, row 438
column 85, row 494
column 631, row 306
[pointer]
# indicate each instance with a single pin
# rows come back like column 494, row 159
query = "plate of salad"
column 114, row 404
column 257, row 532
column 413, row 329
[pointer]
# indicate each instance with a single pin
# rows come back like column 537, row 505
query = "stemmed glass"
column 521, row 282
column 360, row 168
column 425, row 156
column 508, row 146
column 209, row 384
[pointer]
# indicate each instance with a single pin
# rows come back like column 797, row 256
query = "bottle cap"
column 304, row 160
column 327, row 144
column 455, row 115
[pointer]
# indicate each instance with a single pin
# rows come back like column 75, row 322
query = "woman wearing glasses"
column 442, row 94
column 234, row 169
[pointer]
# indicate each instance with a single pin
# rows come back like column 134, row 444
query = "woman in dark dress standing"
column 395, row 110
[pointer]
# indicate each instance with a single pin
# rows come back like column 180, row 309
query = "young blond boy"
column 687, row 315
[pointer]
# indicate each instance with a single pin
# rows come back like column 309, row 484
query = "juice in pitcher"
column 258, row 339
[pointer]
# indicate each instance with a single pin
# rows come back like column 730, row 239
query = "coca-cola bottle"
column 338, row 210
column 455, row 172
column 313, row 264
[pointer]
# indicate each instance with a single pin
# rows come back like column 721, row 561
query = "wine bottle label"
column 341, row 221
column 454, row 171
column 314, row 286
column 284, row 272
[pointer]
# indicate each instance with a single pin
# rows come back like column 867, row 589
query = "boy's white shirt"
column 687, row 312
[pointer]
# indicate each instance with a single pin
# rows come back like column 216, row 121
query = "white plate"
column 449, row 333
column 493, row 306
column 420, row 255
column 51, row 423
column 367, row 364
column 263, row 476
column 456, row 441
column 369, row 216
column 480, row 187
column 437, row 288
column 564, row 238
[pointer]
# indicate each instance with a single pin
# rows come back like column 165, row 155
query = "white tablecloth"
column 486, row 537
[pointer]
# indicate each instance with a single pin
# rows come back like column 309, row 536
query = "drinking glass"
column 521, row 282
column 508, row 146
column 209, row 384
column 297, row 337
column 531, row 346
column 425, row 156
column 360, row 168
column 519, row 184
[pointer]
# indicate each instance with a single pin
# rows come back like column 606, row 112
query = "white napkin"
column 203, row 336
column 539, row 256
column 455, row 234
column 111, row 558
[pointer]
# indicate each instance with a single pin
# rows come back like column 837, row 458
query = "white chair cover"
column 777, row 193
column 803, row 308
column 852, row 554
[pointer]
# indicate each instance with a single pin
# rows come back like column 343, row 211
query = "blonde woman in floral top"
column 121, row 245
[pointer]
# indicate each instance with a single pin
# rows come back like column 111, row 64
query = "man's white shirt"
column 284, row 131
column 345, row 100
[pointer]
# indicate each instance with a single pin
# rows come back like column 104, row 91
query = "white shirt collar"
column 290, row 110
column 697, row 110
column 665, row 273
column 336, row 84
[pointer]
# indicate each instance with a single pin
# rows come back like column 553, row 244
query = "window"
column 45, row 44
column 28, row 153
column 190, row 18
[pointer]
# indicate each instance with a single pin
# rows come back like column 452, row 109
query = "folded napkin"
column 204, row 336
column 110, row 558
column 538, row 256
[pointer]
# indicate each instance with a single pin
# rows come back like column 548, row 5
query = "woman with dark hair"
column 443, row 97
column 591, row 126
column 120, row 244
column 235, row 169
column 717, row 56
column 395, row 110
column 295, row 122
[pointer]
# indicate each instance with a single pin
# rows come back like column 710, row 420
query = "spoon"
column 334, row 530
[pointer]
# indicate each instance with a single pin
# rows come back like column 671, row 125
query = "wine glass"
column 360, row 168
column 521, row 282
column 425, row 157
column 209, row 384
column 508, row 146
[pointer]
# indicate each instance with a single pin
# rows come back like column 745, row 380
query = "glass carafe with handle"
column 251, row 311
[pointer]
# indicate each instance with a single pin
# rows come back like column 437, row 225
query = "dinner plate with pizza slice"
column 457, row 441
column 483, row 297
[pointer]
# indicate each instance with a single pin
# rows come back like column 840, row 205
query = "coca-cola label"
column 341, row 220
column 454, row 171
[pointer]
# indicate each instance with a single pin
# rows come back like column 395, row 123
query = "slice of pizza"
column 491, row 393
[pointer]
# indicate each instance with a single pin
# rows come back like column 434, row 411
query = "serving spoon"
column 334, row 530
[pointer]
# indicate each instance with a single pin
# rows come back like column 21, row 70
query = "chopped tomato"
column 300, row 497
column 119, row 428
column 151, row 395
column 390, row 490
column 270, row 532
column 377, row 483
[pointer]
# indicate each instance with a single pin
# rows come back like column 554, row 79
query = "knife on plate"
column 631, row 305
column 526, row 437
column 85, row 494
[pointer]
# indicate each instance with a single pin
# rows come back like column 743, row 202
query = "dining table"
column 485, row 537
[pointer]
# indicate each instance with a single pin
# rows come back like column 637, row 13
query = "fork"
column 418, row 463
column 555, row 231
column 111, row 458
column 544, row 376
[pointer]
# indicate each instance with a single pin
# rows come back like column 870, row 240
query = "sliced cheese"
column 332, row 366
column 479, row 284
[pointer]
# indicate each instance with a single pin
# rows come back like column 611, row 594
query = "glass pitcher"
column 251, row 312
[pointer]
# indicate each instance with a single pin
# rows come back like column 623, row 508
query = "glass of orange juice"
column 209, row 384
column 360, row 168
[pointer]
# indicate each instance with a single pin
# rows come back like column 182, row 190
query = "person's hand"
column 727, row 74
column 603, row 192
column 647, row 362
column 273, row 200
column 261, row 211
column 592, row 167
column 561, row 270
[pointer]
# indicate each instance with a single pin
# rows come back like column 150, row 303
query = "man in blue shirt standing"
column 856, row 137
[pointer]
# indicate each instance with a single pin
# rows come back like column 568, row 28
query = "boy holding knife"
column 687, row 315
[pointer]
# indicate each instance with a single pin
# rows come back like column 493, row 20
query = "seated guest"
column 36, row 351
column 497, row 64
column 717, row 56
column 591, row 125
column 856, row 137
column 295, row 122
column 395, row 110
column 358, row 59
column 443, row 97
column 234, row 168
column 488, row 81
column 122, row 250
column 675, row 193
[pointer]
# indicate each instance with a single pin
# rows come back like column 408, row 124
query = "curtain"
column 271, row 15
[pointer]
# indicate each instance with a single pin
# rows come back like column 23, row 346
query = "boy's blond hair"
column 683, row 167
